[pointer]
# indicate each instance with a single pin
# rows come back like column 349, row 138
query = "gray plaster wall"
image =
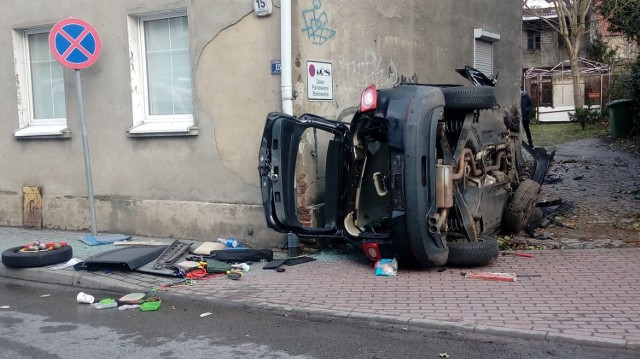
column 187, row 187
column 411, row 40
column 206, row 186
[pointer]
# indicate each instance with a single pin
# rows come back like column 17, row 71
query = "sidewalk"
column 583, row 296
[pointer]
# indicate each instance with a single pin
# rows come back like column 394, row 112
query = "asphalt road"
column 45, row 321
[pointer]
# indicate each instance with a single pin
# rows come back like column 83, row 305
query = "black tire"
column 469, row 97
column 473, row 254
column 12, row 257
column 517, row 211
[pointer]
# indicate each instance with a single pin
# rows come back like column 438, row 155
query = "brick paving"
column 584, row 295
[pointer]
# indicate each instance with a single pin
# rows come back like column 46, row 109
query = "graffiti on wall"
column 372, row 69
column 316, row 24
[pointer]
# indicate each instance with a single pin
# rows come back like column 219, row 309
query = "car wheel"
column 518, row 209
column 13, row 257
column 469, row 97
column 473, row 254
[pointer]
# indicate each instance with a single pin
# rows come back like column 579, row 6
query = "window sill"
column 57, row 131
column 163, row 129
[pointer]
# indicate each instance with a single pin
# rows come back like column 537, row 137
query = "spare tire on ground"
column 16, row 258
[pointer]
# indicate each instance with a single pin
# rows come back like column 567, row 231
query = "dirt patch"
column 604, row 185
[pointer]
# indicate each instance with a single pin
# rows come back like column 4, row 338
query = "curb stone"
column 585, row 340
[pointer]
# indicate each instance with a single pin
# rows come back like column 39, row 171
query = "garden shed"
column 551, row 89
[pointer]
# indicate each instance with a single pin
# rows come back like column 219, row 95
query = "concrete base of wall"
column 168, row 219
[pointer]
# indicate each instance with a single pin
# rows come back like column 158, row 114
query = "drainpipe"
column 286, row 86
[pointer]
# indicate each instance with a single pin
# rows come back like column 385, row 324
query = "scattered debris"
column 235, row 275
column 229, row 242
column 205, row 314
column 277, row 263
column 5, row 307
column 45, row 295
column 103, row 239
column 105, row 303
column 443, row 355
column 85, row 298
column 386, row 267
column 132, row 298
column 69, row 263
column 503, row 277
column 517, row 254
column 206, row 248
column 554, row 209
column 151, row 304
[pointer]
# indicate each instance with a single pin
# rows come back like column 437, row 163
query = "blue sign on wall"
column 275, row 67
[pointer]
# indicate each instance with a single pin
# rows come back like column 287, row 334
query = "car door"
column 285, row 173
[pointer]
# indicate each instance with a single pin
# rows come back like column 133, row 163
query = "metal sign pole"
column 76, row 45
column 87, row 161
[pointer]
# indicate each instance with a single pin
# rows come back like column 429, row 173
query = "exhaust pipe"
column 444, row 197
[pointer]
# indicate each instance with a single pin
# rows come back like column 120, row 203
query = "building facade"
column 176, row 103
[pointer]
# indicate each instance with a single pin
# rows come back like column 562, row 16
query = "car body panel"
column 277, row 167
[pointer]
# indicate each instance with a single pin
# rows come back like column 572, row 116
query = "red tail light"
column 369, row 99
column 372, row 251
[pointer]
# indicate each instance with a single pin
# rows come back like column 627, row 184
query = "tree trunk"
column 578, row 96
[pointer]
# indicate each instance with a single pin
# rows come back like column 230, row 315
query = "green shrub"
column 585, row 116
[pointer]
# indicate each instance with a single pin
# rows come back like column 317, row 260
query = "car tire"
column 469, row 97
column 473, row 254
column 13, row 257
column 517, row 211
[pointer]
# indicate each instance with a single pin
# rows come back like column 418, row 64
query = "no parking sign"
column 74, row 43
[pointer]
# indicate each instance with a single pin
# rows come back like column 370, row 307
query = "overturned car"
column 428, row 174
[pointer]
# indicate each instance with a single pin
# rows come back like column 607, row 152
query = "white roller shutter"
column 484, row 57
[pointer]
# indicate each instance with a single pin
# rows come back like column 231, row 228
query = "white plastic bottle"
column 229, row 242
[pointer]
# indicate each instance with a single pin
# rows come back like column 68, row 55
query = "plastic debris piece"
column 205, row 314
column 105, row 303
column 132, row 298
column 241, row 266
column 443, row 355
column 386, row 267
column 5, row 307
column 69, row 263
column 128, row 306
column 185, row 266
column 229, row 242
column 45, row 295
column 150, row 306
column 503, row 277
column 85, row 298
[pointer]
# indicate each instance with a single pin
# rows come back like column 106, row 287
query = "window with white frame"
column 161, row 85
column 41, row 94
